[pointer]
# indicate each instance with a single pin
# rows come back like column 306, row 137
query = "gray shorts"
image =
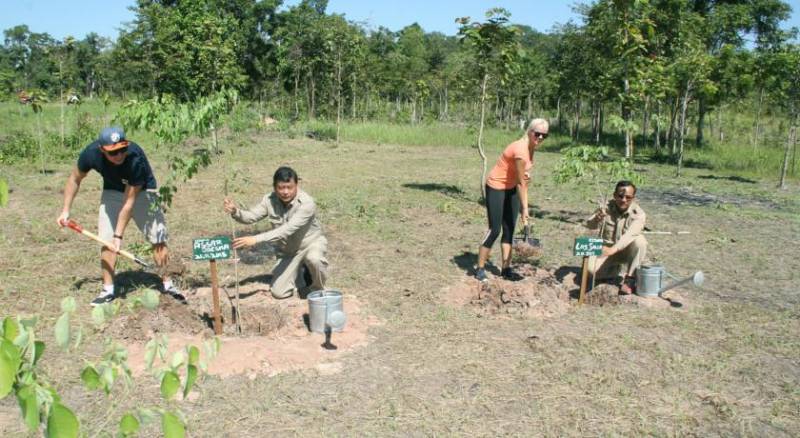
column 150, row 220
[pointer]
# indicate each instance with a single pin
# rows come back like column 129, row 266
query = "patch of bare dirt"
column 540, row 294
column 275, row 336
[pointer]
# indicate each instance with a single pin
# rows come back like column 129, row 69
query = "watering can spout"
column 696, row 279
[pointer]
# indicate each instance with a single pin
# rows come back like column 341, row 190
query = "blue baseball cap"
column 112, row 138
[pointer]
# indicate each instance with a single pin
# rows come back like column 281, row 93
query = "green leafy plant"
column 39, row 403
column 3, row 192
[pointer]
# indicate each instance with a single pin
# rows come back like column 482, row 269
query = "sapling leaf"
column 194, row 354
column 128, row 425
column 99, row 315
column 38, row 351
column 91, row 378
column 26, row 397
column 177, row 359
column 68, row 305
column 62, row 331
column 10, row 328
column 170, row 384
column 62, row 423
column 191, row 377
column 150, row 299
column 172, row 426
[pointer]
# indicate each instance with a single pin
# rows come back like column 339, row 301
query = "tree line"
column 647, row 69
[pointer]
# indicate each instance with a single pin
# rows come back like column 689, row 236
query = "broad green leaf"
column 38, row 351
column 9, row 363
column 128, row 425
column 99, row 315
column 191, row 377
column 68, row 305
column 177, row 359
column 62, row 331
column 26, row 397
column 172, row 426
column 170, row 384
column 194, row 355
column 10, row 328
column 91, row 378
column 3, row 192
column 62, row 423
column 108, row 377
column 150, row 299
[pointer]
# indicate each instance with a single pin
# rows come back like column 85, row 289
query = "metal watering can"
column 651, row 279
column 325, row 311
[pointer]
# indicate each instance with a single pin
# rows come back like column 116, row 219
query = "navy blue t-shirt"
column 134, row 171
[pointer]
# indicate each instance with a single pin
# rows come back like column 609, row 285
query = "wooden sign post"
column 586, row 247
column 213, row 249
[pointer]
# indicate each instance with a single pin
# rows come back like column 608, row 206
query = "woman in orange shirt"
column 507, row 196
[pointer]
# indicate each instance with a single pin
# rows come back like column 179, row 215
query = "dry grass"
column 403, row 224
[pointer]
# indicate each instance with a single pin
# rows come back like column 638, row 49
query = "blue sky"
column 60, row 18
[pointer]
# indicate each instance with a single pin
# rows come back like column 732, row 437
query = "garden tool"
column 526, row 245
column 75, row 226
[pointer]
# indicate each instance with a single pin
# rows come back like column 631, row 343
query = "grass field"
column 403, row 223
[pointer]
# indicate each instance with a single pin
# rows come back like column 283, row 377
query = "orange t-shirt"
column 503, row 175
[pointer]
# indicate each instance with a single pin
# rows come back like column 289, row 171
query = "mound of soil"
column 538, row 294
column 274, row 338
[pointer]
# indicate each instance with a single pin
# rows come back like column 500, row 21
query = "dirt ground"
column 427, row 350
column 275, row 335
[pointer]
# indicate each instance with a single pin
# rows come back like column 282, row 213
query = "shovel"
column 77, row 228
column 526, row 245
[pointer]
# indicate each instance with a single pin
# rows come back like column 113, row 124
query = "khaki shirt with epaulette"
column 294, row 226
column 619, row 228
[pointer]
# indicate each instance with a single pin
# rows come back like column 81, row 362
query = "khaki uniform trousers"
column 623, row 263
column 287, row 273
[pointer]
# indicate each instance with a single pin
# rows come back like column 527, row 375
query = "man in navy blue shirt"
column 129, row 191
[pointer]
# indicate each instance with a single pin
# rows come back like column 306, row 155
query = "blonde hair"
column 537, row 123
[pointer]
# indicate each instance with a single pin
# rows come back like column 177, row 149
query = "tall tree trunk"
column 61, row 98
column 353, row 86
column 558, row 115
column 577, row 125
column 338, row 96
column 446, row 100
column 720, row 131
column 702, row 108
column 645, row 120
column 312, row 104
column 480, row 133
column 296, row 96
column 657, row 129
column 529, row 114
column 684, row 104
column 758, row 118
column 672, row 132
column 790, row 141
column 626, row 116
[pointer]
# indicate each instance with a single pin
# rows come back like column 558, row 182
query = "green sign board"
column 215, row 248
column 587, row 246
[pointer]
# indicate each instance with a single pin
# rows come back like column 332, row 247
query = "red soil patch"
column 275, row 336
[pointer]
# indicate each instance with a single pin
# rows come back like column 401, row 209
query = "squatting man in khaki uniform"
column 621, row 224
column 296, row 233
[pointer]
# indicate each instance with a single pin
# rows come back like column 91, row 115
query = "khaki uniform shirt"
column 294, row 226
column 620, row 227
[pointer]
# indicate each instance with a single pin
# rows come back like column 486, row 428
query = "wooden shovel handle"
column 75, row 226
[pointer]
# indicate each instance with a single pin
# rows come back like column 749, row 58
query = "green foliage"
column 172, row 426
column 3, row 192
column 39, row 404
column 62, row 423
column 128, row 425
column 170, row 383
column 589, row 163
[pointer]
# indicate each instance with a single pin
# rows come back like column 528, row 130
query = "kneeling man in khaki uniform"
column 296, row 233
column 621, row 224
